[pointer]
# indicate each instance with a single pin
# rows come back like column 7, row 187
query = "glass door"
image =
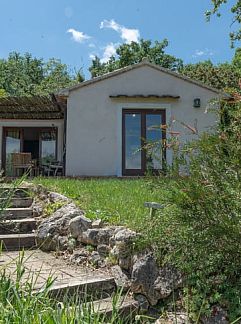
column 13, row 144
column 132, row 159
column 48, row 146
column 142, row 138
column 154, row 141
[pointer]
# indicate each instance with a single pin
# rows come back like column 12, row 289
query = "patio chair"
column 57, row 168
column 21, row 161
column 52, row 168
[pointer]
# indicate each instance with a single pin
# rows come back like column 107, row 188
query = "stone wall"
column 92, row 242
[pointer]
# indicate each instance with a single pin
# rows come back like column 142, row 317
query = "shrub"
column 200, row 229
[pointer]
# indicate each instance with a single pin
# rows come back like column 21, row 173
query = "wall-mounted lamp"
column 197, row 103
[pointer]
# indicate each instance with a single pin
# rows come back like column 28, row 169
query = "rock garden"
column 69, row 234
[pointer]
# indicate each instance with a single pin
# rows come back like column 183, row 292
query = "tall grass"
column 21, row 303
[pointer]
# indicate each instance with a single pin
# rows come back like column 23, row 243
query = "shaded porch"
column 28, row 147
column 32, row 134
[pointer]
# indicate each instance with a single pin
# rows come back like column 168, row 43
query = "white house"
column 109, row 118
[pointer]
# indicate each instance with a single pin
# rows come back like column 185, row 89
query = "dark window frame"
column 143, row 113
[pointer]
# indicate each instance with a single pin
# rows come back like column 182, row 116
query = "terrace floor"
column 39, row 266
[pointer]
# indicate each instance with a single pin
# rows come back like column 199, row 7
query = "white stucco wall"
column 94, row 120
column 59, row 124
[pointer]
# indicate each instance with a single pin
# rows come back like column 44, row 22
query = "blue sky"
column 75, row 30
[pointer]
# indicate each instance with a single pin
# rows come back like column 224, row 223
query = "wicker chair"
column 21, row 161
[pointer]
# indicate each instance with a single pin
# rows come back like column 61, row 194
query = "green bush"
column 200, row 229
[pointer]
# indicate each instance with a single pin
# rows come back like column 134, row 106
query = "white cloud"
column 128, row 35
column 109, row 51
column 110, row 24
column 204, row 52
column 78, row 36
column 92, row 56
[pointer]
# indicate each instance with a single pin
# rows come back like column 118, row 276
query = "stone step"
column 16, row 213
column 20, row 192
column 84, row 288
column 16, row 202
column 15, row 242
column 18, row 226
column 125, row 306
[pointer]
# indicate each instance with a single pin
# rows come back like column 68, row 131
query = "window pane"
column 154, row 138
column 133, row 141
column 13, row 145
column 48, row 146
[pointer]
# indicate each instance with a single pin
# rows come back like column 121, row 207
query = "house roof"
column 144, row 62
column 36, row 107
column 139, row 96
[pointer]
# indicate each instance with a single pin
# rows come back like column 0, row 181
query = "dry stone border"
column 96, row 243
column 101, row 245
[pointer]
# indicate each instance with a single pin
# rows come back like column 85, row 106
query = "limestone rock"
column 218, row 316
column 62, row 243
column 123, row 236
column 121, row 278
column 79, row 257
column 57, row 225
column 122, row 243
column 89, row 237
column 144, row 275
column 168, row 280
column 37, row 208
column 96, row 236
column 95, row 258
column 98, row 223
column 104, row 235
column 78, row 225
column 71, row 244
column 78, row 253
column 174, row 318
column 103, row 250
column 125, row 263
column 143, row 303
column 56, row 197
column 123, row 256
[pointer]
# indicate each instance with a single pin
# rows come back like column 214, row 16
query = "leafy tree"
column 55, row 77
column 3, row 93
column 25, row 75
column 127, row 54
column 222, row 76
column 235, row 10
column 236, row 62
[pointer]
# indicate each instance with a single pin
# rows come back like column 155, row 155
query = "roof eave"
column 67, row 91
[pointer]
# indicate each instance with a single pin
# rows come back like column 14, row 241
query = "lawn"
column 117, row 201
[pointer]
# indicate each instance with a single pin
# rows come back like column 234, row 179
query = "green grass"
column 117, row 201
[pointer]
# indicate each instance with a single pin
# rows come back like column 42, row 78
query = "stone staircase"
column 17, row 232
column 17, row 224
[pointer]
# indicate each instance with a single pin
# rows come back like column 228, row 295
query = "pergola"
column 36, row 107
